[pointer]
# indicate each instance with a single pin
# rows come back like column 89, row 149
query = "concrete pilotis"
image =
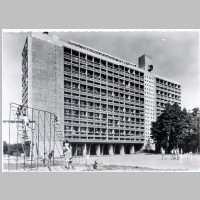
column 102, row 148
column 110, row 149
column 88, row 148
column 122, row 149
column 84, row 149
column 76, row 147
column 132, row 149
column 114, row 149
column 98, row 150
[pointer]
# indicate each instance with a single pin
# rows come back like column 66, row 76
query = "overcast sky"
column 175, row 56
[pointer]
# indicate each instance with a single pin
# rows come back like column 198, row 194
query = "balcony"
column 83, row 106
column 67, row 70
column 83, row 75
column 116, row 97
column 75, row 104
column 83, row 90
column 90, row 92
column 90, row 76
column 67, row 87
column 75, row 88
column 90, row 66
column 103, row 79
column 90, row 117
column 116, row 83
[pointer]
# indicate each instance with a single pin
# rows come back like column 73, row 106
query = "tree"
column 190, row 132
column 166, row 130
column 13, row 148
column 5, row 147
column 176, row 128
column 148, row 146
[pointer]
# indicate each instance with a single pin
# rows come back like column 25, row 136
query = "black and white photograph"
column 100, row 100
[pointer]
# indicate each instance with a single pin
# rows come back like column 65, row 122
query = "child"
column 45, row 159
column 49, row 157
column 87, row 162
column 67, row 154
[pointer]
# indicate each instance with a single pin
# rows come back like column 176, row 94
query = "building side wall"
column 25, row 74
column 166, row 92
column 29, row 39
column 46, row 85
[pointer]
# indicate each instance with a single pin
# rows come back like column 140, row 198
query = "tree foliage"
column 5, row 147
column 176, row 128
column 13, row 148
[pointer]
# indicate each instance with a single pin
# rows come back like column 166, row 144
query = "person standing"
column 172, row 153
column 49, row 158
column 67, row 154
column 45, row 159
column 177, row 154
column 181, row 152
column 163, row 154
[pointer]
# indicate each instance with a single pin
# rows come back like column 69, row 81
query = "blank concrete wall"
column 46, row 78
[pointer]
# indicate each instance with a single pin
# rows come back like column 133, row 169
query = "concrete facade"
column 47, row 77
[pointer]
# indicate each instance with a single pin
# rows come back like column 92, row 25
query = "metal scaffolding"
column 39, row 133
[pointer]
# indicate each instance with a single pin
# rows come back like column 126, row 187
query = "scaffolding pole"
column 32, row 141
column 38, row 142
column 54, row 143
column 28, row 141
column 17, row 149
column 44, row 141
column 9, row 139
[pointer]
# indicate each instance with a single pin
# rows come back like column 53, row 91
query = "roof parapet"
column 100, row 53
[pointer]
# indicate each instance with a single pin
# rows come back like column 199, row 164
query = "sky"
column 175, row 56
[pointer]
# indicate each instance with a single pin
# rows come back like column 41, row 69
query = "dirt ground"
column 117, row 163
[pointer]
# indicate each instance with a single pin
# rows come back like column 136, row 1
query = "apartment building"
column 105, row 105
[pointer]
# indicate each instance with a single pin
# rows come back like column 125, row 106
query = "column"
column 75, row 152
column 110, row 149
column 102, row 149
column 114, row 149
column 132, row 149
column 98, row 150
column 88, row 148
column 84, row 149
column 122, row 149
